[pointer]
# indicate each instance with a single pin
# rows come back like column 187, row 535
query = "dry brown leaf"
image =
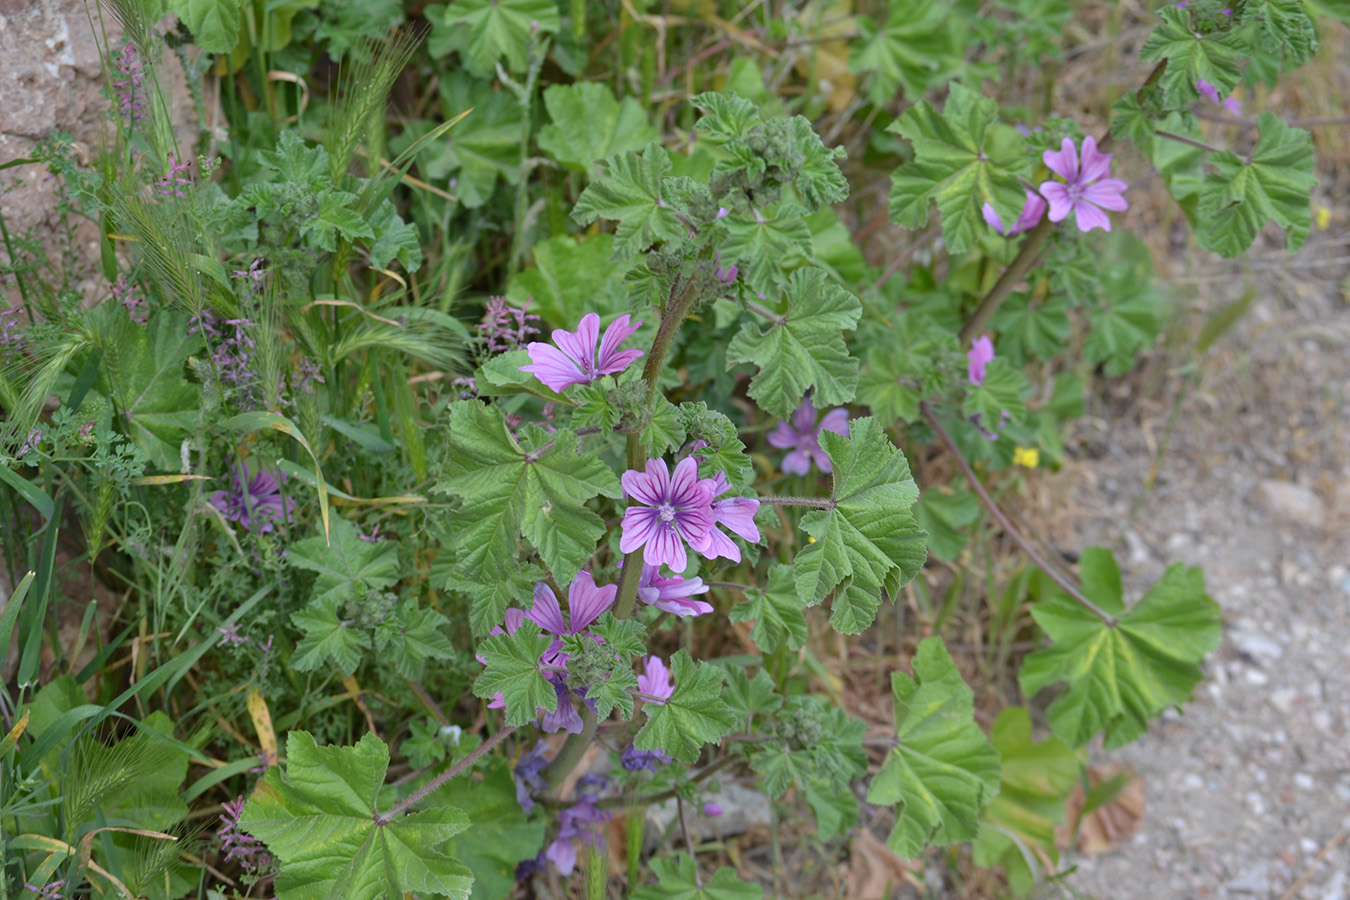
column 874, row 871
column 1109, row 824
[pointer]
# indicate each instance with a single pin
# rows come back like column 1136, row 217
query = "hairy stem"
column 813, row 502
column 572, row 749
column 663, row 796
column 1006, row 524
column 1182, row 139
column 434, row 784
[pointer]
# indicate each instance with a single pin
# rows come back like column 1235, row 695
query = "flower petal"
column 610, row 360
column 835, row 422
column 685, row 487
column 545, row 612
column 783, row 436
column 716, row 544
column 1096, row 165
column 804, row 417
column 553, row 367
column 1107, row 194
column 1063, row 162
column 991, row 217
column 640, row 524
column 581, row 345
column 1057, row 195
column 1031, row 213
column 796, row 463
column 738, row 514
column 586, row 601
column 1089, row 217
column 651, row 488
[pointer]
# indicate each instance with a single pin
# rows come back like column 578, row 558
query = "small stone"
column 1256, row 646
column 1192, row 782
column 1303, row 781
column 1308, row 846
column 1284, row 699
column 1255, row 803
column 1139, row 554
column 1256, row 677
column 1335, row 887
column 1255, row 880
column 1321, row 720
column 1293, row 502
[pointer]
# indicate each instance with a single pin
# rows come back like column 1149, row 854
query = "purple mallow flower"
column 655, row 683
column 980, row 354
column 737, row 514
column 711, row 809
column 1211, row 93
column 635, row 760
column 676, row 511
column 253, row 500
column 581, row 821
column 529, row 773
column 1032, row 210
column 172, row 183
column 672, row 594
column 803, row 435
column 582, row 356
column 240, row 845
column 1087, row 190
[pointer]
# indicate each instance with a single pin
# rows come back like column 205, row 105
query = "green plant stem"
column 572, row 750
column 1030, row 251
column 1182, row 139
column 1006, row 524
column 434, row 784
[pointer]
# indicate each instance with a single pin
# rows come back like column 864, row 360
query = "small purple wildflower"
column 1087, row 191
column 677, row 509
column 303, row 380
column 582, row 356
column 240, row 845
column 529, row 775
column 505, row 327
column 171, row 184
column 49, row 891
column 635, row 760
column 30, row 443
column 725, row 274
column 11, row 339
column 711, row 809
column 129, row 87
column 672, row 594
column 1227, row 11
column 1211, row 93
column 266, row 758
column 803, row 435
column 125, row 293
column 254, row 500
column 465, row 388
column 722, row 213
column 229, row 635
column 735, row 513
column 980, row 354
column 373, row 537
column 1032, row 211
column 655, row 683
column 86, row 429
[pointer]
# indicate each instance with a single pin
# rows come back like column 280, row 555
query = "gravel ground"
column 1249, row 788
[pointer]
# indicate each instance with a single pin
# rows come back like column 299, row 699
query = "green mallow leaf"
column 411, row 636
column 317, row 815
column 869, row 532
column 1000, row 398
column 332, row 219
column 1282, row 27
column 1037, row 779
column 571, row 278
column 677, row 879
column 535, row 487
column 492, row 598
column 945, row 513
column 1128, row 321
column 963, row 159
column 920, row 45
column 513, row 671
column 501, row 836
column 145, row 380
column 779, row 767
column 802, row 349
column 1192, row 57
column 777, row 611
column 629, row 193
column 943, row 772
column 1238, row 199
column 760, row 248
column 347, row 566
column 836, row 811
column 589, row 125
column 327, row 636
column 694, row 715
column 723, row 451
column 749, row 697
column 1027, row 329
column 214, row 23
column 1120, row 676
column 496, row 29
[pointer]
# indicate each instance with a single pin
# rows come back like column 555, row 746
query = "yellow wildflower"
column 1029, row 457
column 1322, row 216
